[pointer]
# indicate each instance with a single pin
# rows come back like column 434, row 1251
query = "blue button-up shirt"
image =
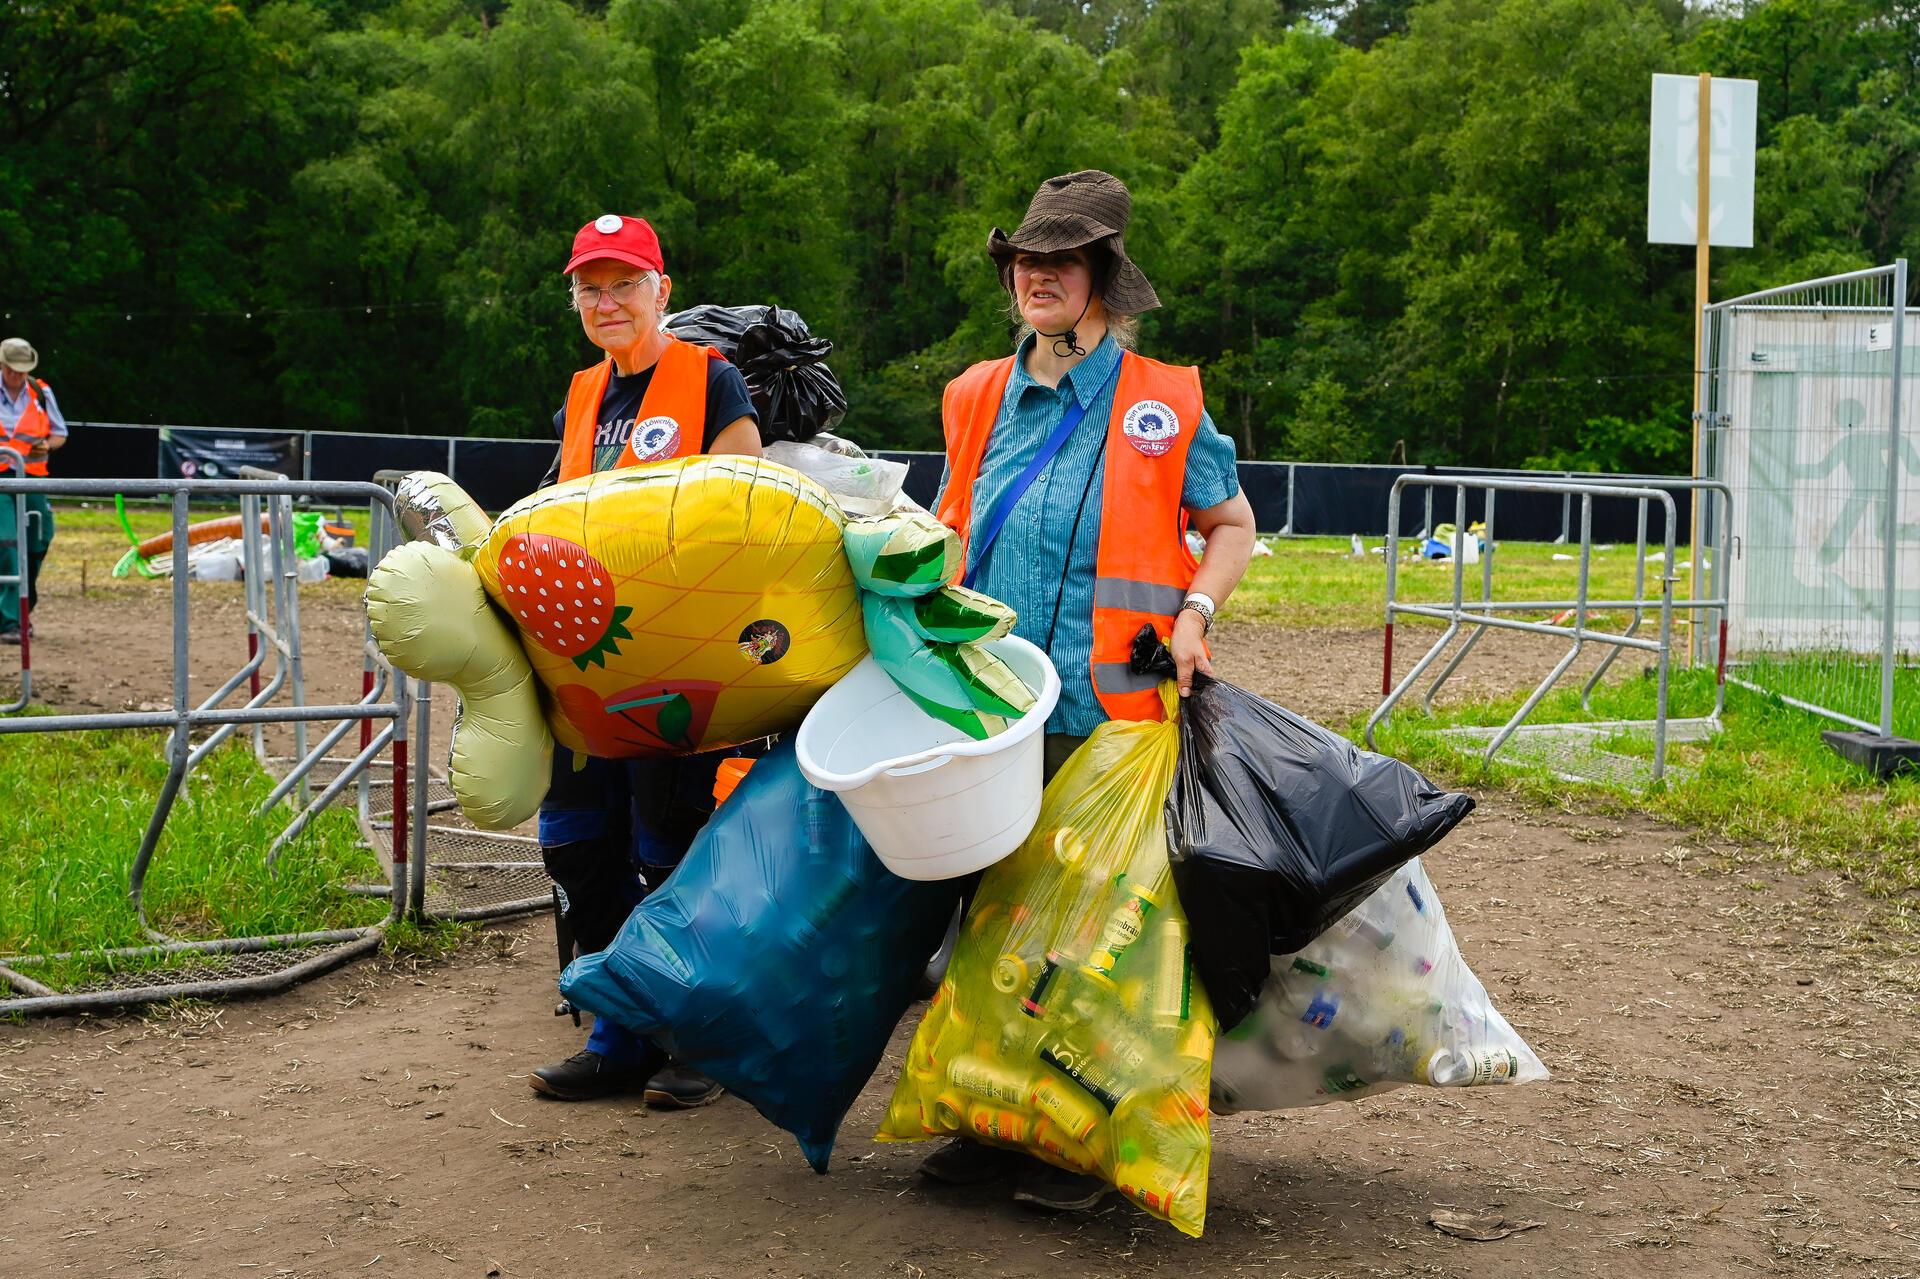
column 12, row 406
column 1041, row 563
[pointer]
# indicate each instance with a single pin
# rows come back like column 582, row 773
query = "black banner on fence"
column 219, row 455
column 923, row 475
column 498, row 473
column 338, row 456
column 107, row 452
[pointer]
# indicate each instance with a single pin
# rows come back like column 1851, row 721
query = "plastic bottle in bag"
column 1381, row 999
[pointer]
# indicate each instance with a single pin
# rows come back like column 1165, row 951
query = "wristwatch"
column 1202, row 604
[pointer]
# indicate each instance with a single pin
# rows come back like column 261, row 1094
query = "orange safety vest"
column 672, row 418
column 33, row 428
column 1143, row 568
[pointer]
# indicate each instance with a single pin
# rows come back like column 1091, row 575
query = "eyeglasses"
column 587, row 296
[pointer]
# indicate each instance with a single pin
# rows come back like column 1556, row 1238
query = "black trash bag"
column 794, row 392
column 349, row 561
column 1277, row 828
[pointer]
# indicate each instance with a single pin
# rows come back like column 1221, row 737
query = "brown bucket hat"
column 1071, row 212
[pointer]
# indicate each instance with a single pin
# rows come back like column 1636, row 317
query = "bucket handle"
column 924, row 764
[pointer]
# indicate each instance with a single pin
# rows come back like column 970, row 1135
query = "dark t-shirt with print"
column 727, row 402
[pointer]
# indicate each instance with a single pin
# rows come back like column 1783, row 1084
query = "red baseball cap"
column 619, row 239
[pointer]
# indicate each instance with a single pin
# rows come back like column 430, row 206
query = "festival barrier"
column 172, row 967
column 1317, row 499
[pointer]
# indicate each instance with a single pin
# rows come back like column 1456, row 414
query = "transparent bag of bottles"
column 1380, row 1000
column 1069, row 1025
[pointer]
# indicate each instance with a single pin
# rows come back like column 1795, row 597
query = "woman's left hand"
column 1190, row 648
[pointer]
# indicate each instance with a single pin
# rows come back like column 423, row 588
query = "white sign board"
column 1673, row 168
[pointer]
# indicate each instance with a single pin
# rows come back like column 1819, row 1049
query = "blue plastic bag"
column 778, row 956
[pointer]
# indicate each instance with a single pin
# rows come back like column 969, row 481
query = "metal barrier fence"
column 462, row 872
column 1588, row 750
column 14, row 467
column 255, row 964
column 1292, row 498
column 1806, row 398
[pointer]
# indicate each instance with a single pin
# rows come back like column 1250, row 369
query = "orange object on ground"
column 727, row 777
column 204, row 531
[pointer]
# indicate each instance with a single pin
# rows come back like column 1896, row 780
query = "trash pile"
column 1069, row 1025
column 216, row 550
column 1223, row 910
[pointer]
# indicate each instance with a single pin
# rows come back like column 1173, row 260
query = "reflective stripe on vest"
column 1143, row 568
column 671, row 421
column 33, row 428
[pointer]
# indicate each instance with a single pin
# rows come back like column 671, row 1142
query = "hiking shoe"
column 676, row 1086
column 10, row 637
column 586, row 1076
column 1052, row 1189
column 968, row 1163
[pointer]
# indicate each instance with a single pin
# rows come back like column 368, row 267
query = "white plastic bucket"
column 933, row 802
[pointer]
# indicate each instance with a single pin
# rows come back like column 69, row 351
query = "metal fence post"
column 1892, row 533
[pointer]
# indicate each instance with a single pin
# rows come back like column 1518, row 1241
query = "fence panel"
column 1807, row 403
column 498, row 473
column 337, row 455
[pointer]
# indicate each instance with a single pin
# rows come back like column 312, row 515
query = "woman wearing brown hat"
column 1075, row 467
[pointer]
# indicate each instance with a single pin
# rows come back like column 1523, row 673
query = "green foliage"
column 1372, row 221
column 1323, row 429
column 1655, row 445
column 1766, row 782
column 63, row 866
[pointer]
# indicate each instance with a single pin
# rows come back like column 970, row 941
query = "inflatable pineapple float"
column 669, row 609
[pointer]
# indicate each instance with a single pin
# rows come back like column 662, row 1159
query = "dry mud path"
column 1736, row 1055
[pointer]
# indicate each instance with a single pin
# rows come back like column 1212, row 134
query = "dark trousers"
column 612, row 830
column 39, row 538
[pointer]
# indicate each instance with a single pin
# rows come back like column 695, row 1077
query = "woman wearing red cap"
column 652, row 398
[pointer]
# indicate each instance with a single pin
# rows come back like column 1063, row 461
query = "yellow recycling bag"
column 1069, row 1025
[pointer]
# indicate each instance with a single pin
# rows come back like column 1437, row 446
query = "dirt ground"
column 1736, row 1054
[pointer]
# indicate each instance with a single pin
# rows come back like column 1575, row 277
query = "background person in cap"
column 1073, row 469
column 652, row 398
column 31, row 427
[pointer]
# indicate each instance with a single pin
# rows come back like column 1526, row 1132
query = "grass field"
column 73, row 808
column 1318, row 582
column 1767, row 782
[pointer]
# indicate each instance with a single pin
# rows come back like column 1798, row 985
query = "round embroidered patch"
column 1151, row 427
column 655, row 438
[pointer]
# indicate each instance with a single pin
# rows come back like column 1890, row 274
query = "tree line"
column 1387, row 229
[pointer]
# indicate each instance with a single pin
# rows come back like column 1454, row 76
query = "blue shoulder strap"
column 997, row 518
